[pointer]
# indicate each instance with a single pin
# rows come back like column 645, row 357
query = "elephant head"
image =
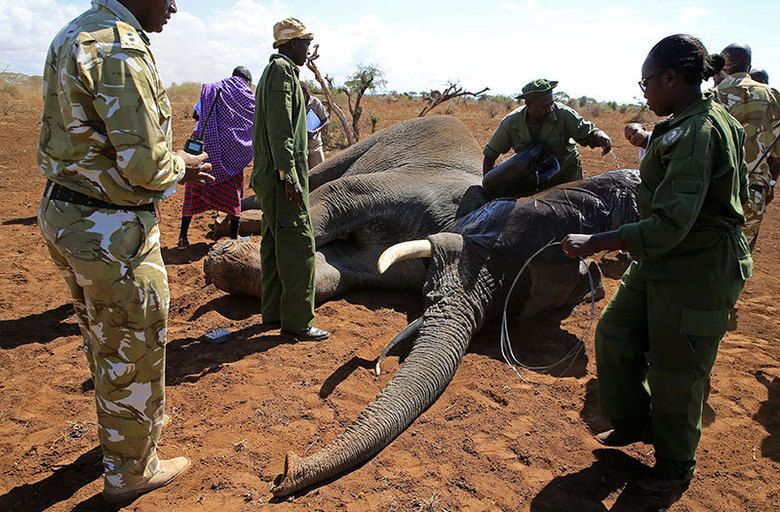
column 466, row 283
column 405, row 182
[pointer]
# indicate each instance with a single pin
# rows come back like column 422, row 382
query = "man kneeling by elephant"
column 551, row 124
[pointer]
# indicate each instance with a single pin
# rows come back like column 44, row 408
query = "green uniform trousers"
column 112, row 264
column 286, row 256
column 656, row 343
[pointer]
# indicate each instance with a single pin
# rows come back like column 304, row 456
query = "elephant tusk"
column 404, row 251
column 410, row 330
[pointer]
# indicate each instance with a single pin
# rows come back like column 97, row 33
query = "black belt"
column 60, row 193
column 757, row 188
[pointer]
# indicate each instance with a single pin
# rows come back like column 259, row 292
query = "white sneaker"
column 169, row 471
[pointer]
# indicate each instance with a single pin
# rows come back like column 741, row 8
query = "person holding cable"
column 105, row 149
column 280, row 179
column 658, row 337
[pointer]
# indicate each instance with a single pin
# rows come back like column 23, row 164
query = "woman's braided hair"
column 687, row 55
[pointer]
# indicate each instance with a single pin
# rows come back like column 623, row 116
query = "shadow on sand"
column 612, row 473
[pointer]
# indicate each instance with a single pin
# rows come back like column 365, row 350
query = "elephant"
column 418, row 183
column 471, row 265
column 405, row 182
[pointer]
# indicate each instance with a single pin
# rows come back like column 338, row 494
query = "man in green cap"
column 280, row 179
column 553, row 124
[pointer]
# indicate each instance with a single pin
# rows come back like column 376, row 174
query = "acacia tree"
column 453, row 90
column 368, row 77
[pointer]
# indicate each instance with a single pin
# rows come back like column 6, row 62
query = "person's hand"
column 294, row 193
column 602, row 140
column 196, row 168
column 637, row 135
column 575, row 245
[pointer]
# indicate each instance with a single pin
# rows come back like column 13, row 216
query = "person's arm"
column 487, row 165
column 575, row 245
column 279, row 127
column 499, row 143
column 583, row 132
column 679, row 196
column 774, row 170
column 126, row 99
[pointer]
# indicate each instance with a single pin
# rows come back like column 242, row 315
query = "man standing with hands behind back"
column 280, row 178
column 105, row 149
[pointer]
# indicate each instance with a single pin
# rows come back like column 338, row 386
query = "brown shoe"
column 169, row 471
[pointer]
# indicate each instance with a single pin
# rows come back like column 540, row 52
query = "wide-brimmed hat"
column 289, row 29
column 536, row 89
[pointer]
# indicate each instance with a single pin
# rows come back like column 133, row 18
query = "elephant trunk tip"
column 291, row 479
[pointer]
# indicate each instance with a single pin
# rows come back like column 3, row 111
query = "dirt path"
column 491, row 442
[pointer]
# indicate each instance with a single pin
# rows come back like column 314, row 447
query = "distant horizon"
column 420, row 46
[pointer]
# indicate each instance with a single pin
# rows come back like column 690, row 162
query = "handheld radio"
column 194, row 144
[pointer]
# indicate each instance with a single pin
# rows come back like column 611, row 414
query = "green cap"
column 536, row 89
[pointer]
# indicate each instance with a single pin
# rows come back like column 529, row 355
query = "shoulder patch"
column 672, row 135
column 129, row 38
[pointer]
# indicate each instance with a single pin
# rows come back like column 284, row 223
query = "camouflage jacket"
column 106, row 124
column 757, row 107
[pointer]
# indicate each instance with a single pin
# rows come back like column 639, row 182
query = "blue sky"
column 593, row 48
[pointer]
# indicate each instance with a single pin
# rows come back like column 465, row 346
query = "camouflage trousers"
column 754, row 209
column 112, row 264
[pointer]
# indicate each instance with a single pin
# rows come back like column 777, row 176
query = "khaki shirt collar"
column 122, row 14
column 522, row 121
column 285, row 57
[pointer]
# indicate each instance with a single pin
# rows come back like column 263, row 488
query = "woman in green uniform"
column 657, row 338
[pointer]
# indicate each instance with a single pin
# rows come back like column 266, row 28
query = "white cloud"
column 595, row 49
column 26, row 29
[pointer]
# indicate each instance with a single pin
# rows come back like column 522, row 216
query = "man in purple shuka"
column 228, row 141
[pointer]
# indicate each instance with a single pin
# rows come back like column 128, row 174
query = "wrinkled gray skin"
column 416, row 180
column 402, row 183
column 466, row 284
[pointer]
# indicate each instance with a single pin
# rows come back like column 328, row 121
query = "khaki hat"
column 537, row 89
column 289, row 29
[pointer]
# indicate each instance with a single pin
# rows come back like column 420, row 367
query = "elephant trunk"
column 450, row 320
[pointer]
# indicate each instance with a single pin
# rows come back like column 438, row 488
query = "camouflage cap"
column 289, row 29
column 536, row 89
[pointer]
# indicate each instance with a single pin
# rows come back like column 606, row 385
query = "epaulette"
column 130, row 38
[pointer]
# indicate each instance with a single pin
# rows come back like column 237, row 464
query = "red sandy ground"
column 491, row 442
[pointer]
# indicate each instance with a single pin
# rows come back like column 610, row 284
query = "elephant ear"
column 485, row 225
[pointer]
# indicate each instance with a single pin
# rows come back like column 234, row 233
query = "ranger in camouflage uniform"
column 757, row 107
column 105, row 149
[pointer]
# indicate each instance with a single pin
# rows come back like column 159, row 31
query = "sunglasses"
column 643, row 82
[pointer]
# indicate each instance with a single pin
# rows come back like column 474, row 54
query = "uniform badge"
column 672, row 136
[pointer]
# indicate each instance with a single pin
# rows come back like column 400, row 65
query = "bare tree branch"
column 328, row 98
column 453, row 90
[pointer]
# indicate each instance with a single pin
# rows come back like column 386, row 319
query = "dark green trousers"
column 656, row 343
column 286, row 256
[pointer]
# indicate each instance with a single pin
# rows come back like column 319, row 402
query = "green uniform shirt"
column 280, row 136
column 694, row 180
column 757, row 107
column 106, row 125
column 558, row 133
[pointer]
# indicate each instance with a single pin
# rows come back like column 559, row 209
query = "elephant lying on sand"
column 402, row 183
column 471, row 267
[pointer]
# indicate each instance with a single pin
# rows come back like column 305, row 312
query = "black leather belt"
column 757, row 188
column 60, row 193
